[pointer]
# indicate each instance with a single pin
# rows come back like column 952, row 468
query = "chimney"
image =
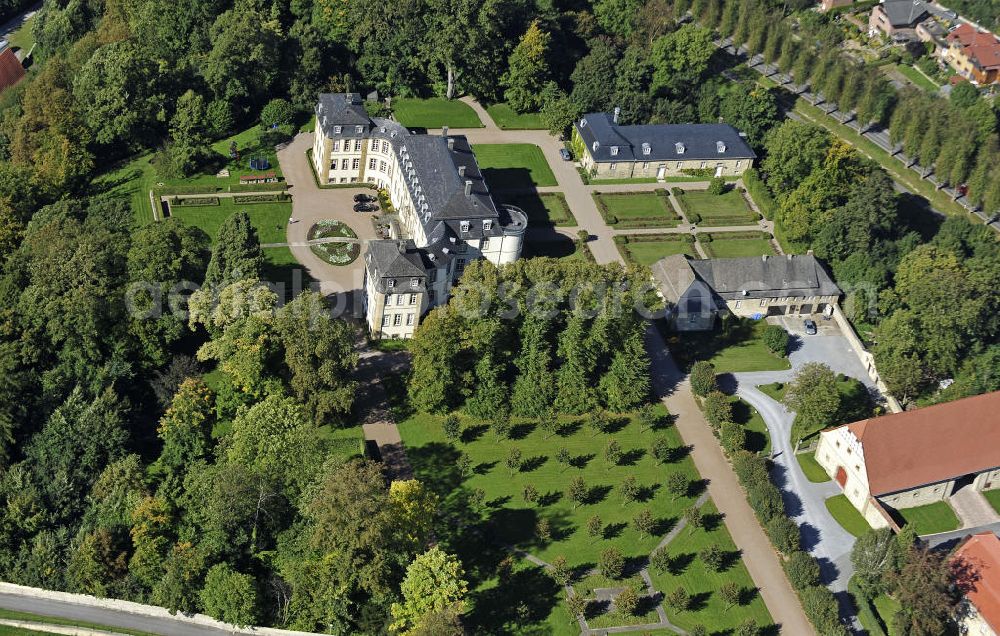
column 402, row 247
column 788, row 256
column 461, row 171
column 468, row 188
column 763, row 257
column 809, row 252
column 444, row 131
column 617, row 112
column 451, row 143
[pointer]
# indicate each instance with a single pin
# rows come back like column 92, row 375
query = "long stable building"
column 913, row 458
column 445, row 215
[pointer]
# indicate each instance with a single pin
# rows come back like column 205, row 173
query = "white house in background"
column 909, row 459
column 446, row 215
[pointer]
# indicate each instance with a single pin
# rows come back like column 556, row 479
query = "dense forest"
column 147, row 455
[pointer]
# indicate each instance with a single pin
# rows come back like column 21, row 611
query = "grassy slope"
column 513, row 166
column 434, row 113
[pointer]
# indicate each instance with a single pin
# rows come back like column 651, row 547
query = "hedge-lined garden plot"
column 646, row 249
column 703, row 208
column 624, row 210
column 544, row 209
column 736, row 244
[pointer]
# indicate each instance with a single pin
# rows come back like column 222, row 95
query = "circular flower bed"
column 335, row 252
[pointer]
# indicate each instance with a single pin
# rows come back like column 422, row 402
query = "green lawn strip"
column 344, row 442
column 847, row 515
column 896, row 170
column 729, row 208
column 813, row 471
column 738, row 347
column 887, row 608
column 23, row 39
column 544, row 209
column 702, row 583
column 505, row 117
column 647, row 252
column 637, row 209
column 911, row 73
column 931, row 518
column 736, row 247
column 593, row 181
column 513, row 166
column 993, row 496
column 758, row 438
column 775, row 391
column 435, row 112
column 52, row 620
column 269, row 219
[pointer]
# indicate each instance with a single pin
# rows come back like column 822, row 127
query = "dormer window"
column 720, row 146
column 646, row 149
column 583, row 123
column 414, row 282
column 390, row 283
column 595, row 146
column 487, row 225
column 465, row 226
column 614, row 150
column 336, row 130
column 359, row 129
column 679, row 147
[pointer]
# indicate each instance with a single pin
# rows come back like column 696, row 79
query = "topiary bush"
column 717, row 186
column 703, row 378
column 776, row 340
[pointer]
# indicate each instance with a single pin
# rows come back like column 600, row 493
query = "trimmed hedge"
column 194, row 201
column 191, row 189
column 262, row 198
column 760, row 194
column 259, row 187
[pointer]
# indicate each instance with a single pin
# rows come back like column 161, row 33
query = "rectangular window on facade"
column 763, row 302
column 381, row 166
column 487, row 225
column 464, row 225
column 413, row 299
column 409, row 320
column 399, row 300
column 374, row 145
column 391, row 283
column 372, row 163
column 702, row 164
column 359, row 129
column 739, row 163
column 385, row 146
column 738, row 304
column 385, row 320
column 485, row 244
column 344, row 165
column 459, row 266
column 430, row 296
column 389, row 172
column 355, row 163
column 357, row 145
column 336, row 145
column 397, row 320
column 613, row 166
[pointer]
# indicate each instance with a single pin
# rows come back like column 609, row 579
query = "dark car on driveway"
column 565, row 154
column 365, row 207
column 810, row 327
column 364, row 198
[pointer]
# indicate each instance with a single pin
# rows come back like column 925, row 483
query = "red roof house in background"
column 974, row 54
column 977, row 564
column 11, row 70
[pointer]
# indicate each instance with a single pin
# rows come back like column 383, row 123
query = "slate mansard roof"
column 660, row 142
column 401, row 261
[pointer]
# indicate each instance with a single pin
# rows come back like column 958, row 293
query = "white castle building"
column 446, row 216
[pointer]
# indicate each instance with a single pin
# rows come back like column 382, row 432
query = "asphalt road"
column 107, row 617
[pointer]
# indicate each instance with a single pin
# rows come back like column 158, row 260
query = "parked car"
column 810, row 327
column 364, row 198
column 365, row 207
column 565, row 154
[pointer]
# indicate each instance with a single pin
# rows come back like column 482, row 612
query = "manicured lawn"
column 758, row 438
column 729, row 208
column 930, row 519
column 505, row 117
column 435, row 112
column 648, row 252
column 813, row 471
column 917, row 77
column 887, row 608
column 702, row 583
column 776, row 391
column 735, row 348
column 545, row 209
column 645, row 209
column 270, row 219
column 23, row 39
column 136, row 177
column 737, row 247
column 847, row 515
column 993, row 496
column 511, row 521
column 513, row 166
column 558, row 247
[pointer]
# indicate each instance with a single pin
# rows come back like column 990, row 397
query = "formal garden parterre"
column 624, row 210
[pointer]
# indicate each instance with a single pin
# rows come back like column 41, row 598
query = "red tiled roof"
column 11, row 70
column 981, row 554
column 932, row 444
column 979, row 46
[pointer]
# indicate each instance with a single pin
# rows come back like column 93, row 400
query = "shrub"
column 733, row 437
column 627, row 602
column 802, row 570
column 713, row 557
column 194, row 201
column 679, row 599
column 820, row 606
column 261, row 198
column 676, row 191
column 660, row 560
column 765, row 499
column 784, row 534
column 750, row 469
column 703, row 378
column 612, row 563
column 716, row 186
column 718, row 408
column 776, row 340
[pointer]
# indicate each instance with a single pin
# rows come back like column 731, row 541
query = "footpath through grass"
column 513, row 167
column 847, row 515
column 505, row 117
column 435, row 112
column 931, row 518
